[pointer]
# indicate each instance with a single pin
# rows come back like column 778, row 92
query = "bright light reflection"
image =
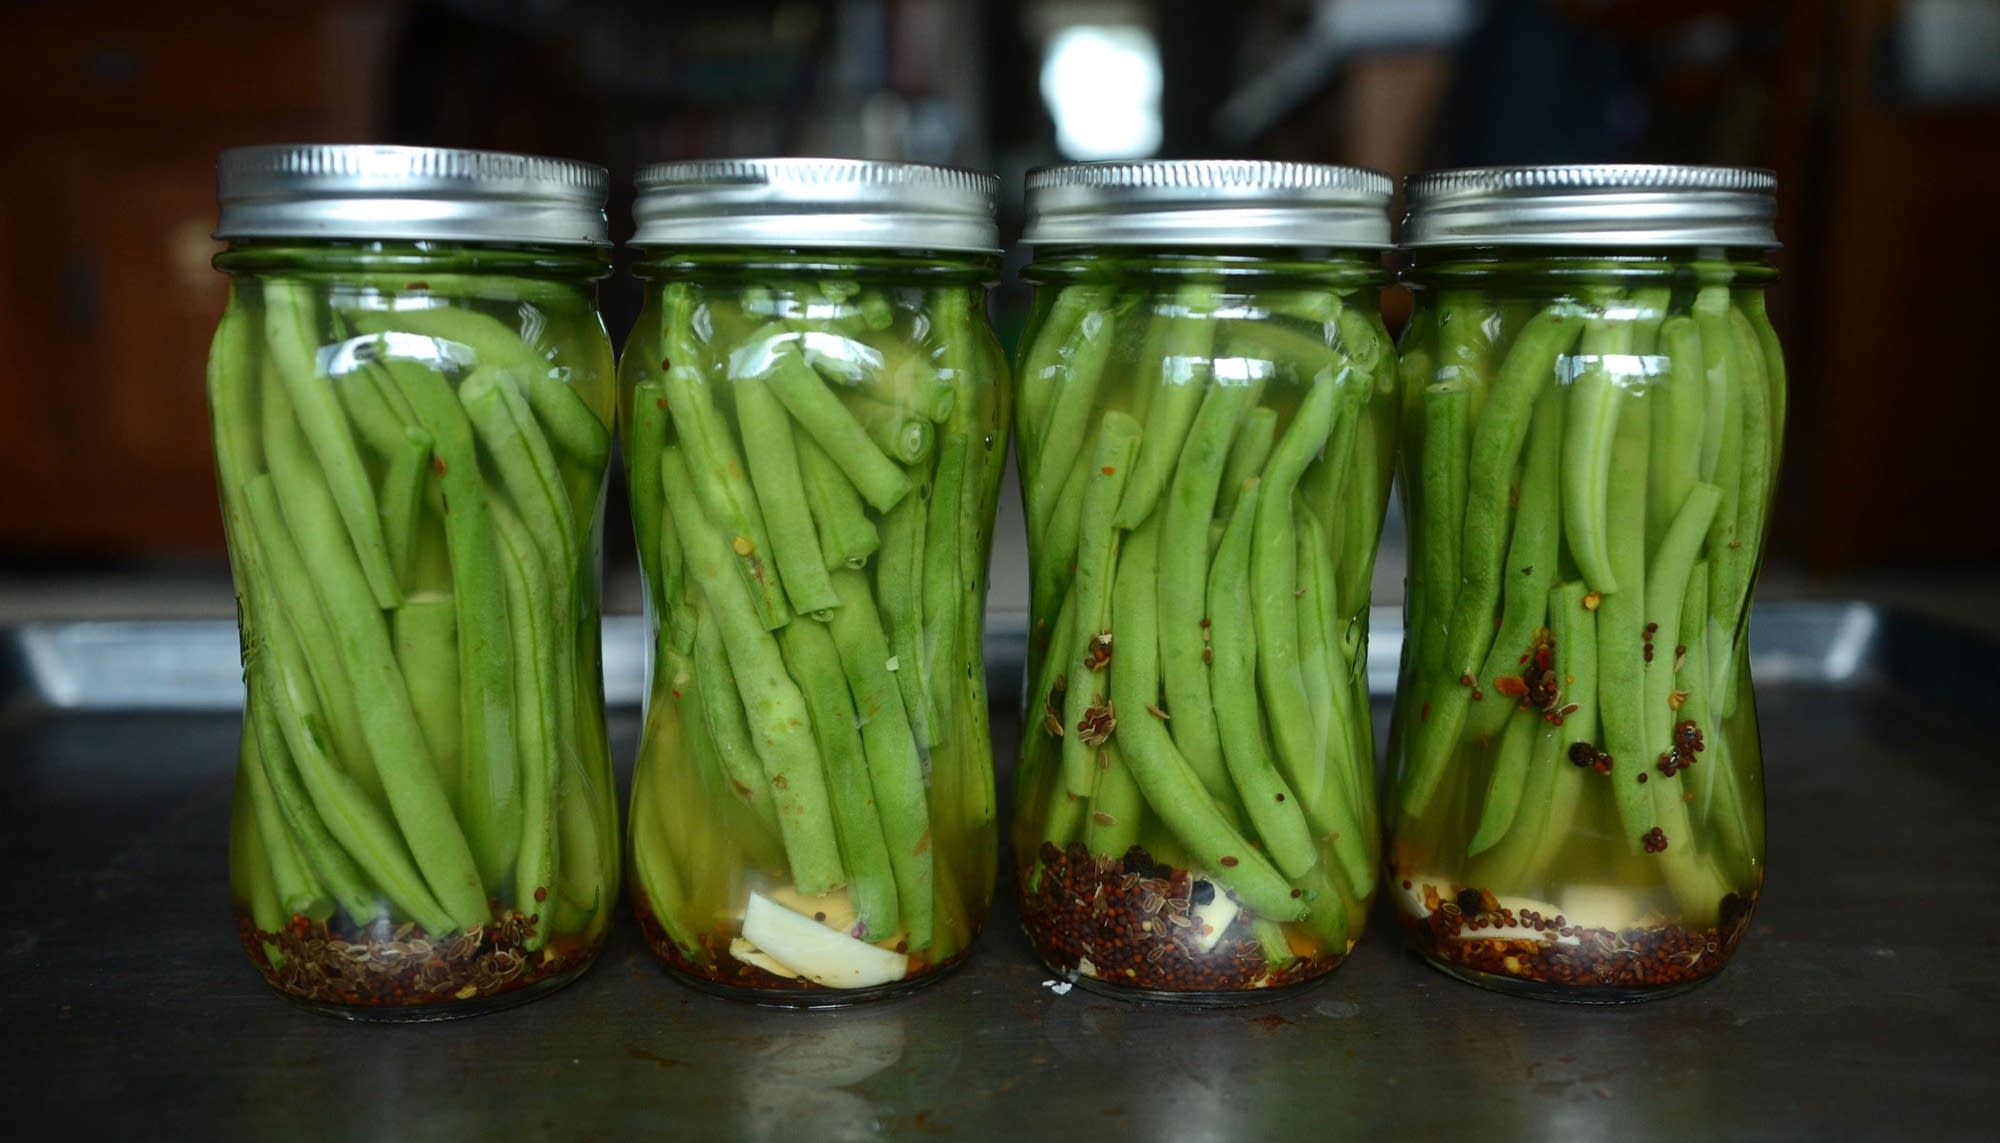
column 1102, row 85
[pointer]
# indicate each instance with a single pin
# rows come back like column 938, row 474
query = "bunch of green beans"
column 813, row 466
column 411, row 463
column 1588, row 487
column 1205, row 464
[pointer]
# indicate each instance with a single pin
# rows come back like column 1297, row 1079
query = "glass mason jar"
column 1593, row 401
column 1206, row 423
column 814, row 417
column 410, row 393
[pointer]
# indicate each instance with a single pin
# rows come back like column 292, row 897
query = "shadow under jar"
column 815, row 419
column 411, row 393
column 1206, row 413
column 1593, row 403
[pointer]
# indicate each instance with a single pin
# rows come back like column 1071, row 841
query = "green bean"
column 1677, row 435
column 1753, row 492
column 847, row 536
column 899, row 581
column 295, row 889
column 943, row 589
column 1504, row 786
column 723, row 724
column 1508, row 861
column 290, row 577
column 1718, row 801
column 1532, row 554
column 1183, row 344
column 1097, row 545
column 833, row 425
column 1711, row 317
column 570, row 423
column 1753, row 306
column 1048, row 346
column 1274, row 603
column 814, row 661
column 1115, row 805
column 1164, row 778
column 293, row 346
column 1325, row 668
column 521, row 458
column 1573, row 628
column 1184, row 578
column 348, row 839
column 535, row 849
column 781, row 497
column 901, row 433
column 1247, row 454
column 1054, row 563
column 489, row 778
column 722, row 483
column 895, row 769
column 1466, row 328
column 1274, row 810
column 251, row 887
column 1068, row 418
column 645, row 432
column 1666, row 586
column 424, row 632
column 402, row 496
column 776, row 711
column 1589, row 429
column 367, row 406
column 1621, row 622
column 1436, row 523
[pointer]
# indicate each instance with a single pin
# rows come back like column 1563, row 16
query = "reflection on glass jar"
column 1592, row 437
column 411, row 437
column 1206, row 419
column 814, row 442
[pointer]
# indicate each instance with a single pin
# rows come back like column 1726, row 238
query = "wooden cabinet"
column 107, row 299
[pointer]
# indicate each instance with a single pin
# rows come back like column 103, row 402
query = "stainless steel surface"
column 365, row 191
column 1865, row 1002
column 815, row 203
column 1603, row 205
column 1208, row 202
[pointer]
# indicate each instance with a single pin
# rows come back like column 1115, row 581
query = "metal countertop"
column 1865, row 1001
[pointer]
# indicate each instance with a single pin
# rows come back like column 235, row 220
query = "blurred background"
column 1881, row 118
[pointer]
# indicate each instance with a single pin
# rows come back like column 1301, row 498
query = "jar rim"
column 1209, row 203
column 816, row 203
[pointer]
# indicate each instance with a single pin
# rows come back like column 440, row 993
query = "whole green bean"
column 1056, row 548
column 489, row 769
column 814, row 661
column 1165, row 780
column 1754, row 486
column 895, row 768
column 1115, row 804
column 1048, row 347
column 1573, row 628
column 1532, row 553
column 293, row 344
column 899, row 583
column 1097, row 545
column 1677, row 433
column 781, row 497
column 1466, row 331
column 943, row 586
column 424, row 632
column 295, row 889
column 1711, row 317
column 1589, row 429
column 847, row 536
column 1183, row 343
column 402, row 497
column 830, row 422
column 535, row 848
column 1666, row 588
column 645, row 432
column 1621, row 622
column 1247, row 454
column 722, row 722
column 1068, row 418
column 1184, row 579
column 1506, row 783
column 903, row 434
column 775, row 710
column 1274, row 810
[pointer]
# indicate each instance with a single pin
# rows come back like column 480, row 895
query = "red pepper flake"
column 1098, row 721
column 666, row 363
column 1424, row 715
column 1226, row 862
column 541, row 893
column 1110, row 470
column 437, row 465
column 418, row 286
column 1511, row 686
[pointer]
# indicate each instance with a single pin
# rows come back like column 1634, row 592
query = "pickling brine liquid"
column 1578, row 809
column 1205, row 450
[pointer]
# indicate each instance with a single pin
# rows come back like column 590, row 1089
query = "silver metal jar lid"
column 1209, row 202
column 1599, row 205
column 816, row 203
column 363, row 191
